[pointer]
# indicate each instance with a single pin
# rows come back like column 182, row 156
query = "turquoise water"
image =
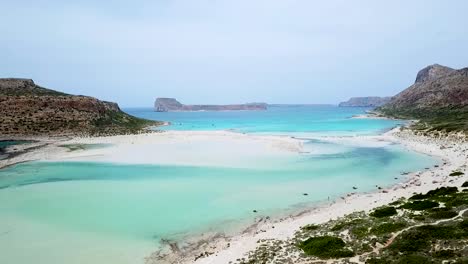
column 322, row 120
column 89, row 212
column 7, row 143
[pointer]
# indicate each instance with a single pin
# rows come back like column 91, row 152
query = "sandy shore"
column 197, row 148
column 223, row 148
column 453, row 155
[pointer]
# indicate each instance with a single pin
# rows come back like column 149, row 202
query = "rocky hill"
column 370, row 101
column 171, row 104
column 439, row 98
column 28, row 109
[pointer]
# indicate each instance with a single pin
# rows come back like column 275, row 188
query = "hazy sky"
column 208, row 51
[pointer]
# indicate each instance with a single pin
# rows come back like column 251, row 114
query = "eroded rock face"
column 370, row 101
column 432, row 72
column 167, row 104
column 436, row 87
column 28, row 109
column 171, row 104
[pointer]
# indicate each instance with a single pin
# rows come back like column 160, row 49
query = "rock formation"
column 438, row 97
column 171, row 104
column 28, row 109
column 370, row 101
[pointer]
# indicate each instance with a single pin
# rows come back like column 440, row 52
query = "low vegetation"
column 456, row 173
column 426, row 228
column 325, row 247
column 384, row 212
column 444, row 119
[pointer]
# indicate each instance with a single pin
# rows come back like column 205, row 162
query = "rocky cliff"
column 28, row 109
column 370, row 101
column 171, row 104
column 439, row 98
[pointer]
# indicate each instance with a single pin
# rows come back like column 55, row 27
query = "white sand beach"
column 453, row 153
column 222, row 148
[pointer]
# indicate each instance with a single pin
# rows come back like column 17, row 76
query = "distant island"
column 172, row 105
column 369, row 101
column 27, row 109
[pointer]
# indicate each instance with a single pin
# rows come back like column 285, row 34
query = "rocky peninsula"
column 438, row 98
column 27, row 109
column 172, row 105
column 369, row 101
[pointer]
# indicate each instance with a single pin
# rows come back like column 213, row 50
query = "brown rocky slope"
column 27, row 109
column 439, row 98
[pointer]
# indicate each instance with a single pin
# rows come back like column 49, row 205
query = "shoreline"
column 220, row 248
column 229, row 249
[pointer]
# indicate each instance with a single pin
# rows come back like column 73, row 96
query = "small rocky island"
column 369, row 101
column 27, row 109
column 172, row 105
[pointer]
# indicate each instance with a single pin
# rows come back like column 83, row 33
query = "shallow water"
column 316, row 120
column 77, row 212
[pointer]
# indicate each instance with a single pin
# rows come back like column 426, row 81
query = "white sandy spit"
column 453, row 156
column 197, row 148
column 222, row 148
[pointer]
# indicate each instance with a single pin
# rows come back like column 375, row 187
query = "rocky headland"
column 369, row 101
column 27, row 109
column 171, row 104
column 438, row 98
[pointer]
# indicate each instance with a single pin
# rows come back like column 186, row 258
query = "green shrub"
column 386, row 228
column 325, row 247
column 420, row 205
column 456, row 173
column 346, row 224
column 444, row 254
column 310, row 227
column 406, row 259
column 384, row 212
column 360, row 231
column 413, row 259
column 457, row 201
column 410, row 241
column 442, row 191
column 442, row 213
column 465, row 184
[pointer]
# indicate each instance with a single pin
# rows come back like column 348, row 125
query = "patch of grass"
column 384, row 212
column 325, row 247
column 359, row 231
column 310, row 227
column 420, row 205
column 406, row 259
column 456, row 173
column 387, row 228
column 465, row 184
column 442, row 213
column 447, row 119
column 346, row 224
column 413, row 259
column 457, row 200
column 445, row 254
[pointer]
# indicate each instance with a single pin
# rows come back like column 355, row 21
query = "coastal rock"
column 172, row 105
column 439, row 97
column 432, row 72
column 370, row 101
column 435, row 86
column 28, row 109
